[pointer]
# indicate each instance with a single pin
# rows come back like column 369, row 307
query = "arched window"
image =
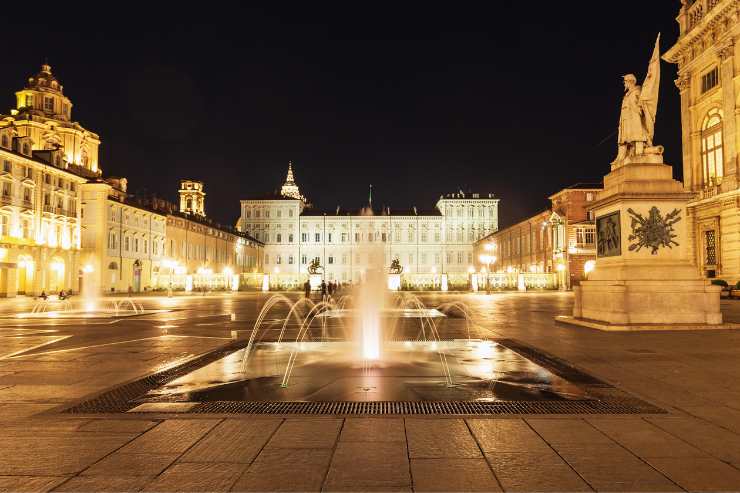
column 5, row 142
column 712, row 157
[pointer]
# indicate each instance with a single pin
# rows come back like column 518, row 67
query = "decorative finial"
column 370, row 201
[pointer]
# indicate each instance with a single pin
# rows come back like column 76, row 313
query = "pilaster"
column 726, row 54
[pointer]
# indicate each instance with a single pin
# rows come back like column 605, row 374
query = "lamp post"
column 488, row 259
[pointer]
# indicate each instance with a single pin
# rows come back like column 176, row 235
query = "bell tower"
column 192, row 197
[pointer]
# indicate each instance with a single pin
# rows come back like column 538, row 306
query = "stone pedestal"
column 643, row 272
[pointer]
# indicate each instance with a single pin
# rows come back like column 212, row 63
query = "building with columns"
column 708, row 82
column 429, row 244
column 45, row 157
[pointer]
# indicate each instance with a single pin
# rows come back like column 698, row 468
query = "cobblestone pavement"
column 46, row 366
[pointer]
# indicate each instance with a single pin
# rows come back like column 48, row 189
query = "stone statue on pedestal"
column 639, row 107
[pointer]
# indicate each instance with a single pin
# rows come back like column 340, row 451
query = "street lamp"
column 488, row 260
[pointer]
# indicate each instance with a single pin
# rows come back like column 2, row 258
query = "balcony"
column 697, row 11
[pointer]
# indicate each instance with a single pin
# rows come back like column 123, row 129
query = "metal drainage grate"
column 427, row 407
column 606, row 399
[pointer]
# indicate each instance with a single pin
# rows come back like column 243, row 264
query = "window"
column 437, row 236
column 424, row 237
column 384, row 238
column 411, row 258
column 29, row 101
column 290, row 259
column 279, row 238
column 5, row 141
column 249, row 213
column 589, row 196
column 711, row 148
column 304, row 260
column 423, row 258
column 126, row 243
column 6, row 190
column 136, row 245
column 304, row 237
column 267, row 213
column 357, row 237
column 48, row 104
column 709, row 80
column 146, row 246
column 411, row 236
column 7, row 167
column 344, row 237
column 317, row 237
column 279, row 213
column 290, row 238
column 710, row 245
column 329, row 240
column 278, row 259
column 459, row 257
column 290, row 213
column 267, row 259
column 331, row 259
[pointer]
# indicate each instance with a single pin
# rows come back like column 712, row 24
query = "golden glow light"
column 589, row 266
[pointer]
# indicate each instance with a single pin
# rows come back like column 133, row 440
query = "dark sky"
column 513, row 98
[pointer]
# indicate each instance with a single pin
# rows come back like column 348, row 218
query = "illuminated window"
column 710, row 245
column 29, row 101
column 711, row 148
column 49, row 104
column 709, row 80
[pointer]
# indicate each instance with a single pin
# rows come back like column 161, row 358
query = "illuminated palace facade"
column 428, row 244
column 709, row 84
column 45, row 158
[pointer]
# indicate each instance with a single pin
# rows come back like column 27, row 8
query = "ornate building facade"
column 708, row 82
column 45, row 160
column 428, row 244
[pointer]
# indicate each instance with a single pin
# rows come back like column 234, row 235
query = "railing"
column 698, row 10
column 49, row 208
column 709, row 192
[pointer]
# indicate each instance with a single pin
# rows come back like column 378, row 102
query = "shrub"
column 720, row 282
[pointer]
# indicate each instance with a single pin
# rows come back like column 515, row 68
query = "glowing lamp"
column 589, row 266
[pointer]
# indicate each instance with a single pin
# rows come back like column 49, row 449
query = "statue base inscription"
column 644, row 271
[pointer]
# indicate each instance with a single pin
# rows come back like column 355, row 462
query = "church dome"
column 44, row 80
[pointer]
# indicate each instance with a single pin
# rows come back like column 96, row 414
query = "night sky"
column 515, row 98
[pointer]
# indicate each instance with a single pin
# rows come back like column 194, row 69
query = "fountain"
column 90, row 305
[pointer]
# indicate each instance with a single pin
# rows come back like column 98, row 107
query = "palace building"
column 708, row 69
column 45, row 157
column 429, row 244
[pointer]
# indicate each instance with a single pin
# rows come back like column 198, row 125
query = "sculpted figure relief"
column 639, row 107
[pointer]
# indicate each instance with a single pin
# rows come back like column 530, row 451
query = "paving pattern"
column 46, row 367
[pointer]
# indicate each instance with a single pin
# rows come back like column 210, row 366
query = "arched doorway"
column 24, row 275
column 56, row 274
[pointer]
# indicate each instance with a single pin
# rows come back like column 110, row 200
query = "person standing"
column 307, row 289
column 323, row 290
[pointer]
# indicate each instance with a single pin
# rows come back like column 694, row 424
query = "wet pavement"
column 49, row 366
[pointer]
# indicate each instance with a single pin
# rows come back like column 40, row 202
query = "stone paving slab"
column 644, row 439
column 314, row 433
column 535, row 471
column 699, row 474
column 171, row 437
column 507, row 435
column 453, row 475
column 196, row 477
column 357, row 466
column 62, row 454
column 441, row 438
column 126, row 464
column 29, row 484
column 373, row 430
column 237, row 441
column 284, row 469
column 112, row 425
column 102, row 484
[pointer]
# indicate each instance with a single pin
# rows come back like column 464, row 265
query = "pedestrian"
column 307, row 289
column 330, row 287
column 323, row 289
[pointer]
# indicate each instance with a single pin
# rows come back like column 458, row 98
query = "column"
column 683, row 83
column 726, row 52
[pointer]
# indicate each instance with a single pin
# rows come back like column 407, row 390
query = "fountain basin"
column 482, row 371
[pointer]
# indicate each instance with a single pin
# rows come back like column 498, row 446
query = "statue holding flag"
column 639, row 107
